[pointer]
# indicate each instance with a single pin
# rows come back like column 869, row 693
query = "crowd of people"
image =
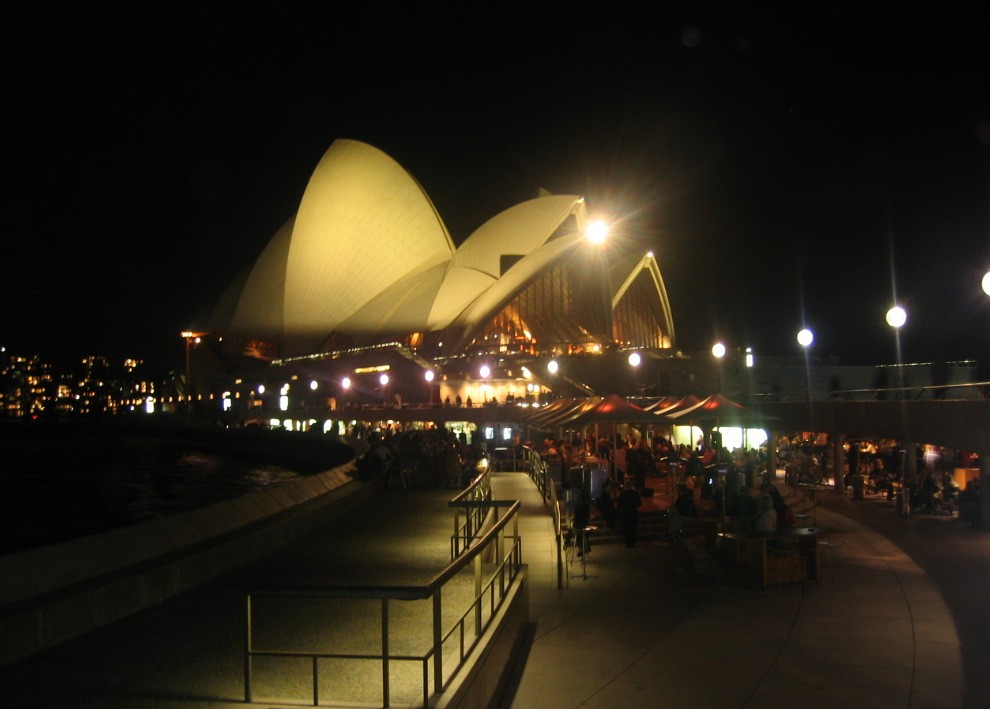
column 431, row 458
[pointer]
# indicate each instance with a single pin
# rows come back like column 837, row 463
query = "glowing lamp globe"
column 896, row 316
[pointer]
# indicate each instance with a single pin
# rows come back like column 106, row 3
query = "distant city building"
column 32, row 388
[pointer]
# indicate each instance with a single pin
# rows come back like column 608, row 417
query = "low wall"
column 56, row 593
column 485, row 675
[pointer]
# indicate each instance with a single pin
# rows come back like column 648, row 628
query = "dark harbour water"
column 66, row 483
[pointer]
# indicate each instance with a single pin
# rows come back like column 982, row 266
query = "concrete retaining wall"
column 482, row 680
column 55, row 593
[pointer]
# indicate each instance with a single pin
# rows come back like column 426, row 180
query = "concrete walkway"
column 898, row 620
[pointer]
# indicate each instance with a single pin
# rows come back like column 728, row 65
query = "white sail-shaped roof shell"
column 260, row 309
column 518, row 231
column 363, row 224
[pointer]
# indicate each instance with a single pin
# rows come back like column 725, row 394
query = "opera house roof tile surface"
column 367, row 259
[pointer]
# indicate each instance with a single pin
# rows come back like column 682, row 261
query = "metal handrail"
column 508, row 562
column 474, row 501
column 537, row 469
column 974, row 390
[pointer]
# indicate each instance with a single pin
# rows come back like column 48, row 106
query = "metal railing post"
column 385, row 663
column 437, row 644
column 247, row 654
column 477, row 594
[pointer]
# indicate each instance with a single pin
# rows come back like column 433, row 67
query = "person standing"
column 629, row 504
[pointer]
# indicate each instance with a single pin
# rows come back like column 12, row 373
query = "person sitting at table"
column 744, row 505
column 629, row 504
column 880, row 478
column 785, row 516
column 770, row 489
column 685, row 502
column 766, row 516
column 606, row 507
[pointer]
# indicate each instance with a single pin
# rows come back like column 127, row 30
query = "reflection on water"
column 77, row 483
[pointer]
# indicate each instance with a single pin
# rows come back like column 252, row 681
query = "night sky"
column 787, row 169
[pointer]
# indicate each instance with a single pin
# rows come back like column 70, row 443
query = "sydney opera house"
column 365, row 280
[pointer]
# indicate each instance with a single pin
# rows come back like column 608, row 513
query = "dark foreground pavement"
column 897, row 620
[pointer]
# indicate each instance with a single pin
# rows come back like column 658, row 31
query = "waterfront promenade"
column 897, row 619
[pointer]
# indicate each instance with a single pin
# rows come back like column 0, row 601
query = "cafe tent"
column 717, row 410
column 677, row 405
column 612, row 409
column 557, row 411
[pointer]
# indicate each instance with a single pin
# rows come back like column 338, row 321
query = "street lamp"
column 805, row 337
column 896, row 317
column 191, row 338
column 429, row 382
column 552, row 366
column 383, row 380
column 718, row 352
column 634, row 359
column 986, row 282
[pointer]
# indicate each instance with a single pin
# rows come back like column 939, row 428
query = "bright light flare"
column 634, row 359
column 986, row 282
column 805, row 337
column 596, row 232
column 718, row 350
column 552, row 366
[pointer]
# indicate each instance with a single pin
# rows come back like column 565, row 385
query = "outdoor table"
column 813, row 488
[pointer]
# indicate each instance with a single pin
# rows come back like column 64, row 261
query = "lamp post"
column 429, row 383
column 191, row 338
column 805, row 337
column 896, row 317
column 485, row 372
column 718, row 352
column 383, row 380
